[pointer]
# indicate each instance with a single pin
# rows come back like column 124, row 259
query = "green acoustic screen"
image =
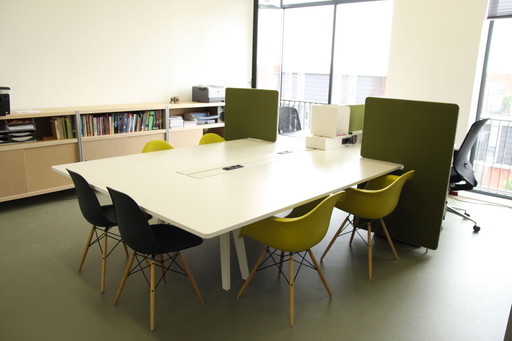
column 251, row 113
column 356, row 117
column 419, row 135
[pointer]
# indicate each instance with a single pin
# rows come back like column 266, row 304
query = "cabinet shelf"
column 26, row 166
column 118, row 135
column 36, row 144
column 199, row 127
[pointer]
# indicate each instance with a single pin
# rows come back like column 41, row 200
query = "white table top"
column 187, row 187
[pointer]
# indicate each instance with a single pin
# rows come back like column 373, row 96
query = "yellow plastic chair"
column 211, row 138
column 292, row 235
column 156, row 145
column 371, row 204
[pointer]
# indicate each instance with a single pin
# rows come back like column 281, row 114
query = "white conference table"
column 188, row 187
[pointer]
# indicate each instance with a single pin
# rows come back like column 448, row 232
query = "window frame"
column 282, row 6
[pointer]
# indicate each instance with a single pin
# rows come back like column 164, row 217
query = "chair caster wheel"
column 476, row 228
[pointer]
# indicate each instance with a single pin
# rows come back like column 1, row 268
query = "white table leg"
column 225, row 266
column 241, row 254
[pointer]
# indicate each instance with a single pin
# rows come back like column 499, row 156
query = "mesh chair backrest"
column 133, row 225
column 88, row 202
column 461, row 162
column 288, row 120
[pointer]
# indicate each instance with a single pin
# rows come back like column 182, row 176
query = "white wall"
column 435, row 53
column 56, row 53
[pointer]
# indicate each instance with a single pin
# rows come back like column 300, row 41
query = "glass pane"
column 307, row 44
column 363, row 33
column 493, row 157
column 269, row 49
column 498, row 88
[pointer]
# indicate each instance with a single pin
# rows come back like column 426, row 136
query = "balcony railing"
column 492, row 156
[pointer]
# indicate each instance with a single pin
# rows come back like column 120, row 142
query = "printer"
column 208, row 93
column 5, row 104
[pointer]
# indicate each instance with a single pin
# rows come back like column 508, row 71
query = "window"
column 361, row 51
column 269, row 48
column 498, row 80
column 307, row 41
column 494, row 149
column 324, row 51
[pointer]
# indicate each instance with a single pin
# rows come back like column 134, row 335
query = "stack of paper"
column 176, row 122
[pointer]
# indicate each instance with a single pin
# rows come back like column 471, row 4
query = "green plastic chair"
column 292, row 235
column 156, row 145
column 211, row 138
column 377, row 200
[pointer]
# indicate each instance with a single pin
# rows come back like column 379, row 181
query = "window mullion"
column 331, row 68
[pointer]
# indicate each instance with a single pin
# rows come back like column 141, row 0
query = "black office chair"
column 462, row 177
column 102, row 219
column 148, row 241
column 289, row 121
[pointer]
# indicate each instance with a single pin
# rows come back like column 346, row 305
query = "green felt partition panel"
column 251, row 113
column 419, row 135
column 356, row 117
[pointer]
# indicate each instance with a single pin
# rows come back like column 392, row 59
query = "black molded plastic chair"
column 147, row 241
column 289, row 121
column 102, row 219
column 462, row 176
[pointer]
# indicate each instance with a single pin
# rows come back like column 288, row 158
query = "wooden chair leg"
column 370, row 272
column 152, row 294
column 336, row 235
column 87, row 246
column 104, row 261
column 320, row 273
column 388, row 237
column 125, row 248
column 292, row 291
column 125, row 276
column 190, row 278
column 253, row 272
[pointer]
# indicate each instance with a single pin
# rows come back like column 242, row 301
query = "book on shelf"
column 116, row 123
column 62, row 127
